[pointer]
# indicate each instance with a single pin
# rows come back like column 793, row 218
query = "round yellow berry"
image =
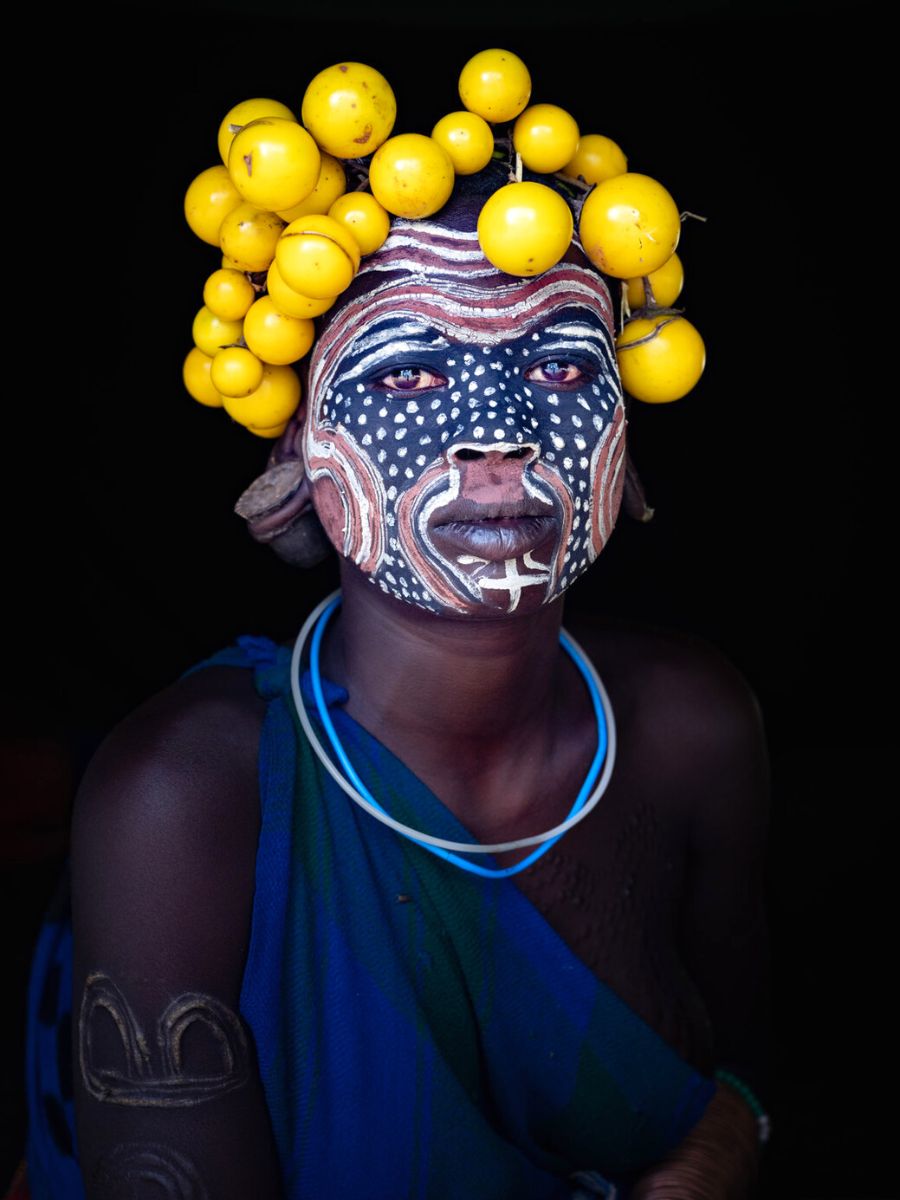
column 228, row 294
column 195, row 374
column 664, row 367
column 546, row 136
column 411, row 175
column 274, row 163
column 332, row 182
column 525, row 228
column 242, row 114
column 349, row 109
column 275, row 337
column 317, row 256
column 468, row 140
column 271, row 404
column 236, row 371
column 629, row 226
column 666, row 284
column 208, row 201
column 595, row 159
column 364, row 217
column 212, row 334
column 290, row 302
column 274, row 432
column 495, row 84
column 249, row 237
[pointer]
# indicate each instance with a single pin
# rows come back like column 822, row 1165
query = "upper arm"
column 163, row 856
column 722, row 775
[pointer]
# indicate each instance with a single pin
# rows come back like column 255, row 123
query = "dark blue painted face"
column 468, row 457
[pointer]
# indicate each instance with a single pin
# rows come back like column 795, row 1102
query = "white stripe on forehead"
column 448, row 305
column 480, row 268
column 596, row 345
column 419, row 248
column 387, row 348
column 410, row 332
column 571, row 329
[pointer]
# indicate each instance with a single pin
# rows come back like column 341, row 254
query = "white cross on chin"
column 513, row 582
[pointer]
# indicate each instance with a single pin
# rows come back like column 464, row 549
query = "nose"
column 462, row 452
column 493, row 474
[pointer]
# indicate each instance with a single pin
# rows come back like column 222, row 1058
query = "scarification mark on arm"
column 160, row 1080
column 146, row 1171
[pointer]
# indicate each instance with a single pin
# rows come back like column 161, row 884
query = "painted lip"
column 493, row 537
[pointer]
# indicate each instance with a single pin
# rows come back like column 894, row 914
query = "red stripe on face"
column 554, row 481
column 335, row 455
column 607, row 481
column 440, row 585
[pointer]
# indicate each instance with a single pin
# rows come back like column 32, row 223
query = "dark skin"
column 659, row 890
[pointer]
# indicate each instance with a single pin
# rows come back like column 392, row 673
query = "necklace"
column 589, row 795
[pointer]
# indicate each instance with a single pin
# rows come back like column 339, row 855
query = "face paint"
column 465, row 436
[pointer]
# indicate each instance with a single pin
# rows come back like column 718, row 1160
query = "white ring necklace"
column 428, row 840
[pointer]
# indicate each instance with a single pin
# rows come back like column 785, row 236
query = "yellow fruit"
column 596, row 158
column 274, row 337
column 468, row 140
column 195, row 374
column 666, row 284
column 364, row 217
column 211, row 333
column 629, row 226
column 667, row 365
column 274, row 432
column 274, row 163
column 546, row 137
column 332, row 182
column 291, row 303
column 349, row 109
column 208, row 201
column 273, row 402
column 317, row 256
column 411, row 175
column 495, row 84
column 242, row 114
column 525, row 228
column 228, row 294
column 249, row 237
column 236, row 372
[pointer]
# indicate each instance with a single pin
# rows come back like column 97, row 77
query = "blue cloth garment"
column 421, row 1032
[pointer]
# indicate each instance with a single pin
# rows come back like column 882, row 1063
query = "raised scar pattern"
column 166, row 1083
column 146, row 1171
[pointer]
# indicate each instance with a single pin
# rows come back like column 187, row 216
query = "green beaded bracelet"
column 763, row 1124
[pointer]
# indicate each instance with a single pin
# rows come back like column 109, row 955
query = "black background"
column 771, row 519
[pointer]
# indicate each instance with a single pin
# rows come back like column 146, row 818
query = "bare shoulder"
column 189, row 750
column 166, row 821
column 687, row 711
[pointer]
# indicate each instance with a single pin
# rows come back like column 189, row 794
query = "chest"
column 613, row 889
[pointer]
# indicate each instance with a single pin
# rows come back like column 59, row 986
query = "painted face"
column 465, row 433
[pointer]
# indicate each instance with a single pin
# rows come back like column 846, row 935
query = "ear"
column 278, row 505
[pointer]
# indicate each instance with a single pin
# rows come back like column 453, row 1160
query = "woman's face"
column 464, row 439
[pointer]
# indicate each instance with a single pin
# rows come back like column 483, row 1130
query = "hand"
column 718, row 1160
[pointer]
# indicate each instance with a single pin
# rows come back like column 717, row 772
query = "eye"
column 555, row 372
column 411, row 379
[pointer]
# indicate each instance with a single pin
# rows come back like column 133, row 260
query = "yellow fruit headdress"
column 295, row 207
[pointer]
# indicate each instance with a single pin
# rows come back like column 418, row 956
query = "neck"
column 472, row 682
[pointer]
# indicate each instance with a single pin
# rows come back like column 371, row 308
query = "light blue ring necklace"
column 589, row 795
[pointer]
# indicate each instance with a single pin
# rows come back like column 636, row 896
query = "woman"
column 276, row 993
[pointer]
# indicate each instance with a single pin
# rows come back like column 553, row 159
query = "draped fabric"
column 421, row 1032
